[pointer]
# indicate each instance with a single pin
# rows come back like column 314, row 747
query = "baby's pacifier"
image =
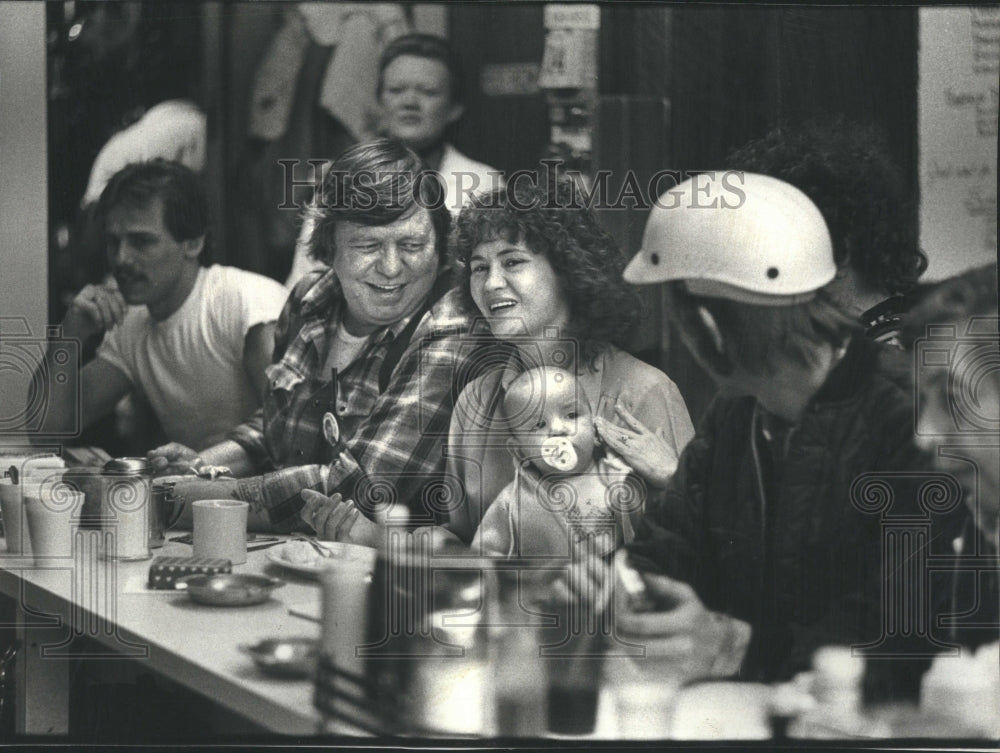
column 559, row 453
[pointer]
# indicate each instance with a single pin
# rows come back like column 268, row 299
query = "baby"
column 563, row 481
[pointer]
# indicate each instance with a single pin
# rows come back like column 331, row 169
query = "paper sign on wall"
column 959, row 70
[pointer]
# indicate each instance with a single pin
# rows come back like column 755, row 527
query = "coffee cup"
column 12, row 497
column 220, row 529
column 51, row 509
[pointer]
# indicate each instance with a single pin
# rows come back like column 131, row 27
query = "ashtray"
column 285, row 657
column 229, row 589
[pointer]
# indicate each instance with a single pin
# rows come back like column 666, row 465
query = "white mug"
column 51, row 511
column 220, row 529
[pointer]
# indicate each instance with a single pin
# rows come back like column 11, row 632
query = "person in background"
column 958, row 417
column 959, row 401
column 758, row 552
column 420, row 95
column 845, row 170
column 366, row 358
column 193, row 340
column 958, row 425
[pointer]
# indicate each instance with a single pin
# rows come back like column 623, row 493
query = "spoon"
column 323, row 551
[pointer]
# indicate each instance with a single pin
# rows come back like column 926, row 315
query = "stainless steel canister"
column 126, row 511
column 427, row 663
column 164, row 511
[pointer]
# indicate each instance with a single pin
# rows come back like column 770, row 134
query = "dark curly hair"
column 548, row 216
column 844, row 169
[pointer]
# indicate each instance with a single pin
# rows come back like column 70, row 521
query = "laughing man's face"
column 385, row 271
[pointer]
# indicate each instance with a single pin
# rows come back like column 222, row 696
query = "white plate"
column 342, row 552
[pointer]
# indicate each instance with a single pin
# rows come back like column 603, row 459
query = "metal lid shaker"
column 126, row 509
column 139, row 466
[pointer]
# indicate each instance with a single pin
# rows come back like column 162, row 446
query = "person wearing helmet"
column 845, row 170
column 761, row 544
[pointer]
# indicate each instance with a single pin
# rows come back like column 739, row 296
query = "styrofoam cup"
column 51, row 511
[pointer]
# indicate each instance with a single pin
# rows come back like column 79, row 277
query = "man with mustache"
column 194, row 340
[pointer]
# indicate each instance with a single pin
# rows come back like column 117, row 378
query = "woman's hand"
column 690, row 641
column 333, row 519
column 649, row 454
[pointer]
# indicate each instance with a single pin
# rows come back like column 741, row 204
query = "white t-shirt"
column 190, row 365
column 344, row 348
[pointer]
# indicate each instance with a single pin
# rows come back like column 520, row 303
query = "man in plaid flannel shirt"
column 376, row 341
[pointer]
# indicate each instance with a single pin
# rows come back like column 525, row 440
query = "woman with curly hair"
column 547, row 280
column 844, row 169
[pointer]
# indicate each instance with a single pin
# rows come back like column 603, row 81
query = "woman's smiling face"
column 516, row 289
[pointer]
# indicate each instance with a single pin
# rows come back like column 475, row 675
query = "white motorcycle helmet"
column 741, row 236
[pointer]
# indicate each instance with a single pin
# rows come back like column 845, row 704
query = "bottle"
column 516, row 665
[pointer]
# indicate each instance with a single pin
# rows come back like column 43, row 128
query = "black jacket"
column 775, row 539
